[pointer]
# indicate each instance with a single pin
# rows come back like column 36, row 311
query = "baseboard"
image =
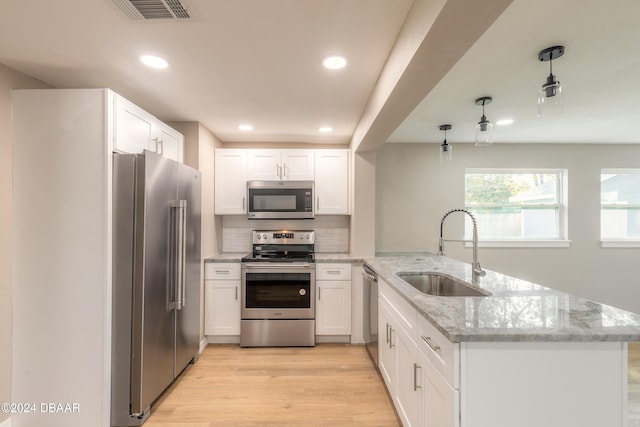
column 333, row 339
column 6, row 423
column 223, row 339
column 203, row 345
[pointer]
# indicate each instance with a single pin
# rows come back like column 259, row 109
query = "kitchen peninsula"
column 525, row 355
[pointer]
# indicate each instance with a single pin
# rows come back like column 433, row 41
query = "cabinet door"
column 222, row 307
column 440, row 403
column 332, row 182
column 408, row 393
column 333, row 307
column 386, row 343
column 230, row 181
column 170, row 142
column 264, row 164
column 298, row 165
column 133, row 127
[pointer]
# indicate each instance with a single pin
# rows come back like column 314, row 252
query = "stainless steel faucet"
column 477, row 271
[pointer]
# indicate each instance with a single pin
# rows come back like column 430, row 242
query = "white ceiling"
column 259, row 62
column 600, row 74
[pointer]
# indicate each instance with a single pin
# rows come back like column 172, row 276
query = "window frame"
column 617, row 242
column 561, row 206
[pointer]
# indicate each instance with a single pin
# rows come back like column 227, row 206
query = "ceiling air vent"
column 138, row 10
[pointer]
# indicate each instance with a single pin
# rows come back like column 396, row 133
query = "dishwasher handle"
column 369, row 274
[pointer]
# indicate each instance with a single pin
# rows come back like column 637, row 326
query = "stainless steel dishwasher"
column 370, row 311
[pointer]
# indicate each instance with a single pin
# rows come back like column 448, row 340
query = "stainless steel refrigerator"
column 156, row 280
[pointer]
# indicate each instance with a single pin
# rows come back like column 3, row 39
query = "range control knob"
column 264, row 236
column 259, row 236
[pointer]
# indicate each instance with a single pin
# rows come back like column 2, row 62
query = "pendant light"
column 484, row 128
column 445, row 149
column 550, row 94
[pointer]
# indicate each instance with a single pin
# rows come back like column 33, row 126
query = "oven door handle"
column 266, row 265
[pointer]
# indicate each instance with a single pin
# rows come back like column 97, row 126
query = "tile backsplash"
column 332, row 232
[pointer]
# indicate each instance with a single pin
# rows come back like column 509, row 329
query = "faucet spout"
column 476, row 269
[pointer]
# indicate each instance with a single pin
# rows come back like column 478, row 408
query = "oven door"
column 272, row 290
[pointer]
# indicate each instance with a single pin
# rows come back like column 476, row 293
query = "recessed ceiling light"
column 154, row 61
column 504, row 122
column 325, row 129
column 245, row 127
column 334, row 62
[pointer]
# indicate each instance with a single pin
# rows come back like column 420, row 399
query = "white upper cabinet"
column 328, row 168
column 298, row 165
column 285, row 165
column 170, row 142
column 138, row 130
column 332, row 182
column 230, row 181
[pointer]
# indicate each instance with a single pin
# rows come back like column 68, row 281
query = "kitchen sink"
column 441, row 285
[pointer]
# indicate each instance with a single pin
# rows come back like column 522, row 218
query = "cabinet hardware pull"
column 236, row 293
column 222, row 271
column 391, row 344
column 333, row 271
column 284, row 170
column 319, row 293
column 387, row 342
column 243, row 203
column 433, row 346
column 415, row 377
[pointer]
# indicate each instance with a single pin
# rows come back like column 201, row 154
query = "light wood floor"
column 330, row 384
column 634, row 384
column 327, row 385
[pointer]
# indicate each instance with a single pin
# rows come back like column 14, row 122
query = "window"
column 517, row 207
column 620, row 206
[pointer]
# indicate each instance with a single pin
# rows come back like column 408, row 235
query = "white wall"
column 9, row 79
column 413, row 191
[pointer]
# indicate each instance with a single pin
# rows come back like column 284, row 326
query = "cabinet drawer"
column 444, row 354
column 336, row 271
column 405, row 314
column 222, row 271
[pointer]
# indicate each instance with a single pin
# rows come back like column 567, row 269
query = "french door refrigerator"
column 156, row 280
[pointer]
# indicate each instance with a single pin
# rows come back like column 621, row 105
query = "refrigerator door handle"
column 179, row 208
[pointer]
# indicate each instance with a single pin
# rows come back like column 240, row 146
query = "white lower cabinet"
column 398, row 354
column 440, row 401
column 222, row 299
column 333, row 299
column 408, row 391
column 438, row 383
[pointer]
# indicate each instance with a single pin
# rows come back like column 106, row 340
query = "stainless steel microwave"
column 280, row 199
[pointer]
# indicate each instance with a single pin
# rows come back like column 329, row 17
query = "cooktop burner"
column 282, row 246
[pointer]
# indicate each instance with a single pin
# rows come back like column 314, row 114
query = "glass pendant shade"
column 550, row 100
column 484, row 128
column 484, row 132
column 446, row 153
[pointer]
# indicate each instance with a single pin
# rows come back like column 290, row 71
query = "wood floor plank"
column 327, row 385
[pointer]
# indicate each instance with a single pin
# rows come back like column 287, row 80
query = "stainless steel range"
column 278, row 290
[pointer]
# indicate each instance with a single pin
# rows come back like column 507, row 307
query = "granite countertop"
column 320, row 257
column 517, row 310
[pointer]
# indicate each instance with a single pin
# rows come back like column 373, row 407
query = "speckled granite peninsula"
column 517, row 310
column 525, row 356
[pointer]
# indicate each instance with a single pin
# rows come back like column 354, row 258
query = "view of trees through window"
column 514, row 205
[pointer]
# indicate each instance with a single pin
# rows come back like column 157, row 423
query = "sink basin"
column 441, row 285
